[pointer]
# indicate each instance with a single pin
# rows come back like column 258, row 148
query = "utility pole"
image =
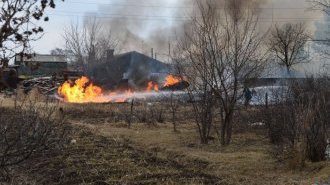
column 272, row 12
column 169, row 51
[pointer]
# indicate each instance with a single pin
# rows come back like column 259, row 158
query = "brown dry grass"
column 246, row 161
column 110, row 153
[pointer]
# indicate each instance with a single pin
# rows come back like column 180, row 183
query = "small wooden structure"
column 41, row 65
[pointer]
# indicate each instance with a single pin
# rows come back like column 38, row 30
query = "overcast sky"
column 59, row 18
column 162, row 13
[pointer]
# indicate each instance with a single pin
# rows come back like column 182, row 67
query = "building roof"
column 135, row 67
column 44, row 58
column 135, row 59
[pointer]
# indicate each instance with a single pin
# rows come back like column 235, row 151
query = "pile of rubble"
column 45, row 85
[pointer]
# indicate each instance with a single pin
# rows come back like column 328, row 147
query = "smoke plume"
column 144, row 24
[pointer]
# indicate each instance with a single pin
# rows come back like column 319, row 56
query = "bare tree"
column 90, row 42
column 199, row 90
column 323, row 5
column 324, row 42
column 222, row 49
column 18, row 20
column 68, row 55
column 288, row 43
column 59, row 51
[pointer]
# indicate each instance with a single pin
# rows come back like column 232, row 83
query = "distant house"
column 41, row 65
column 277, row 75
column 133, row 69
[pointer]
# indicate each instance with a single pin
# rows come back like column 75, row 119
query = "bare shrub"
column 249, row 119
column 174, row 106
column 147, row 113
column 298, row 125
column 313, row 97
column 204, row 115
column 27, row 129
column 130, row 114
column 160, row 114
column 282, row 124
column 142, row 114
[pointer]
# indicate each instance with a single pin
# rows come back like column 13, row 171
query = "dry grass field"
column 101, row 149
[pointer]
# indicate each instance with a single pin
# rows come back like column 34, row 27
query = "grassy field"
column 103, row 150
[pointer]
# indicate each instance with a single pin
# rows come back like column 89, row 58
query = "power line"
column 132, row 5
column 182, row 7
column 124, row 15
column 318, row 40
column 170, row 18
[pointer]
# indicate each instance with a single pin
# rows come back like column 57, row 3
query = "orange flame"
column 171, row 80
column 84, row 91
column 81, row 91
column 152, row 86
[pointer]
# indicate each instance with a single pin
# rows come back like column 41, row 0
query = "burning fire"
column 81, row 91
column 171, row 80
column 84, row 91
column 152, row 86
